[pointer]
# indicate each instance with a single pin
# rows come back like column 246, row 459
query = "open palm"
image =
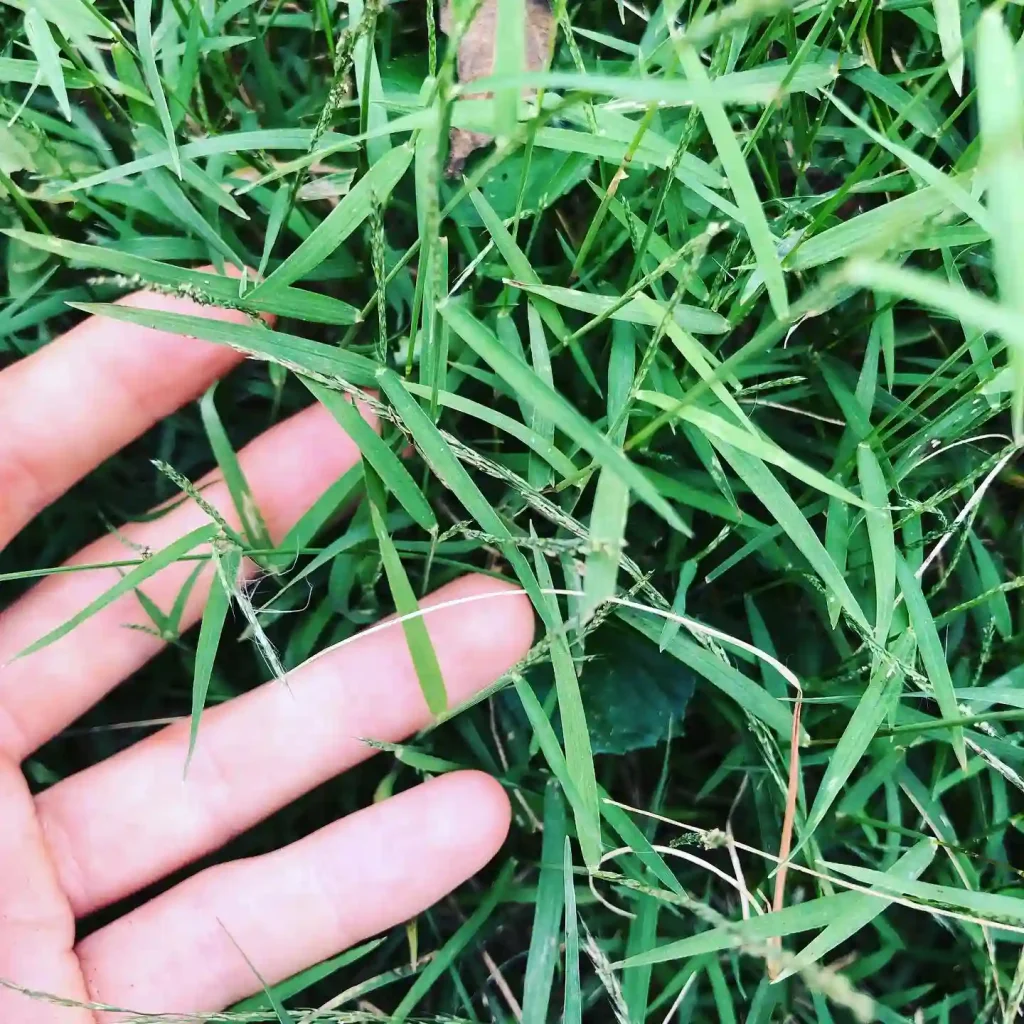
column 101, row 835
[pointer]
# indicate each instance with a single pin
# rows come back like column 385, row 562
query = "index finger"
column 72, row 404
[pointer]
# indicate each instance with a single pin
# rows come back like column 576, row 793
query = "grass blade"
column 522, row 379
column 151, row 73
column 227, row 566
column 40, row 39
column 374, row 186
column 881, row 537
column 421, row 648
column 1001, row 113
column 547, row 918
column 127, row 583
column 735, row 166
column 933, row 657
column 386, row 464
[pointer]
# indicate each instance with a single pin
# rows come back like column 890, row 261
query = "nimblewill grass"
column 719, row 350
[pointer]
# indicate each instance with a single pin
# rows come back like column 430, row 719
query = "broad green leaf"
column 421, row 648
column 749, row 695
column 376, row 185
column 933, row 656
column 545, row 399
column 386, row 464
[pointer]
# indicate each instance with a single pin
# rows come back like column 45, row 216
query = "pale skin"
column 99, row 836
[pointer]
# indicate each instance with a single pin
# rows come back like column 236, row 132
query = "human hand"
column 107, row 832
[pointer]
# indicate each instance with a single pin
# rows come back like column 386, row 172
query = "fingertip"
column 472, row 816
column 496, row 617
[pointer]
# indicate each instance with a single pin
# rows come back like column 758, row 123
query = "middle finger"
column 131, row 820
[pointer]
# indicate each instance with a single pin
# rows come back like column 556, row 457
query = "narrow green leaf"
column 883, row 687
column 802, row 917
column 127, row 583
column 579, row 755
column 881, row 537
column 933, row 657
column 735, row 166
column 947, row 17
column 860, row 911
column 151, row 73
column 225, row 579
column 572, row 1009
column 547, row 917
column 752, row 444
column 40, row 39
column 439, row 456
column 386, row 464
column 253, row 526
column 607, row 535
column 374, row 186
column 445, row 957
column 1001, row 114
column 421, row 648
column 288, row 349
column 544, row 398
column 292, row 302
column 635, row 311
column 522, row 270
column 787, row 514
